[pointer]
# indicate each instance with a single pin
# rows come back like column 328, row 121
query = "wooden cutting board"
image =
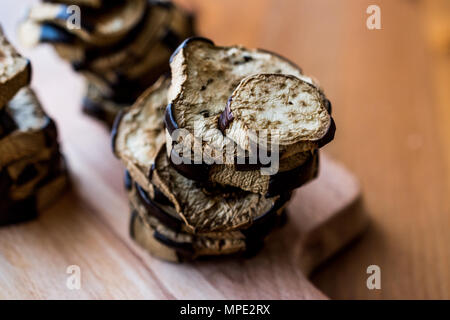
column 88, row 226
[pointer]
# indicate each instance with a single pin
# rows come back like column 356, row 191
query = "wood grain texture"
column 391, row 101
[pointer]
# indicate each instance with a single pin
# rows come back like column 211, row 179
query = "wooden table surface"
column 391, row 99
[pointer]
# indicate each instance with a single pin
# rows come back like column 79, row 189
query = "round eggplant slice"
column 289, row 109
column 103, row 27
column 100, row 108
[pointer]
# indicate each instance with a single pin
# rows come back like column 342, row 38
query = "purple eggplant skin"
column 134, row 217
column 127, row 181
column 154, row 210
column 93, row 109
column 329, row 136
column 114, row 130
column 169, row 119
column 193, row 171
column 254, row 234
column 186, row 42
column 184, row 251
column 29, row 71
column 51, row 133
column 184, row 248
column 259, row 228
column 226, row 117
column 295, row 178
column 279, row 183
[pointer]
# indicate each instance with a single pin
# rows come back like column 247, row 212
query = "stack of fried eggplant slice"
column 188, row 200
column 121, row 47
column 32, row 170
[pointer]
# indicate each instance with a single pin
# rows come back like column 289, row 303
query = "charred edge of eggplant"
column 184, row 249
column 262, row 225
column 169, row 119
column 50, row 133
column 160, row 198
column 115, row 130
column 260, row 229
column 226, row 117
column 254, row 242
column 150, row 173
column 133, row 218
column 29, row 71
column 193, row 171
column 186, row 42
column 156, row 211
column 328, row 105
column 329, row 136
column 93, row 109
column 127, row 180
column 290, row 180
